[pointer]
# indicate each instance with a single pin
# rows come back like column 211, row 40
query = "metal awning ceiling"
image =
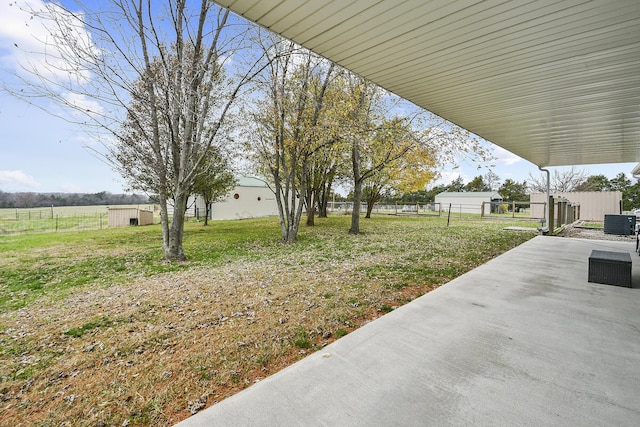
column 555, row 82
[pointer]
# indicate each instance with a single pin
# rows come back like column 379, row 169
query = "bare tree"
column 149, row 75
column 561, row 181
column 291, row 127
column 492, row 180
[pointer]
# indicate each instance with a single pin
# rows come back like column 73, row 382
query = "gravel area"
column 582, row 232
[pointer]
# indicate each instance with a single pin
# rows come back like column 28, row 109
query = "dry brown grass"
column 158, row 349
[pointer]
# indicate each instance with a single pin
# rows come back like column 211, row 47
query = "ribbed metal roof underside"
column 555, row 82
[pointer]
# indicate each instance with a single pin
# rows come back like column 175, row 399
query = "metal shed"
column 123, row 217
column 466, row 201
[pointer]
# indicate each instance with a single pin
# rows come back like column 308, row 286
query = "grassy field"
column 95, row 329
column 61, row 211
column 54, row 219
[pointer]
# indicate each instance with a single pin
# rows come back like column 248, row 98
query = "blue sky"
column 43, row 153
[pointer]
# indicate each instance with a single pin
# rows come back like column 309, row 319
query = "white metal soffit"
column 555, row 82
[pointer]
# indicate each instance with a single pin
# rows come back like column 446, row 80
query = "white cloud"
column 33, row 42
column 447, row 177
column 17, row 179
column 504, row 157
column 84, row 103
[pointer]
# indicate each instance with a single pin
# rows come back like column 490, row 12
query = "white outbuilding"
column 125, row 216
column 467, row 201
column 250, row 198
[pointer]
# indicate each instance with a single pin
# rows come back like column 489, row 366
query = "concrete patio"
column 522, row 340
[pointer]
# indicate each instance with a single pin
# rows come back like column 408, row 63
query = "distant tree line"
column 37, row 200
column 570, row 180
column 509, row 189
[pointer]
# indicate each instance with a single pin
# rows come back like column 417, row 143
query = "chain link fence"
column 495, row 210
column 53, row 219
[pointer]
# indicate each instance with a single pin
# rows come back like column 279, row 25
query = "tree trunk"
column 290, row 209
column 173, row 250
column 370, row 204
column 207, row 210
column 373, row 197
column 292, row 234
column 277, row 191
column 164, row 222
column 293, row 221
column 311, row 216
column 322, row 212
column 311, row 207
column 355, row 213
column 357, row 187
column 297, row 213
column 324, row 201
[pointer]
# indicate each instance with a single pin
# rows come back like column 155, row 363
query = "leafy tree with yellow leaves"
column 410, row 172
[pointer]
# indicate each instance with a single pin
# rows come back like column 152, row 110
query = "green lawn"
column 96, row 327
column 33, row 265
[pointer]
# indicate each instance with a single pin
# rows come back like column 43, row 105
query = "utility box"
column 622, row 225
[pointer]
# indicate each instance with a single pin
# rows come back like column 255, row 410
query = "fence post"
column 550, row 220
column 513, row 209
column 56, row 222
column 449, row 215
column 482, row 210
column 560, row 217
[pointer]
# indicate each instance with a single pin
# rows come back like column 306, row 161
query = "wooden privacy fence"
column 564, row 211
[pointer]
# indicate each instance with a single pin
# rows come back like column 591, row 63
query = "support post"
column 550, row 214
column 560, row 217
column 549, row 206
